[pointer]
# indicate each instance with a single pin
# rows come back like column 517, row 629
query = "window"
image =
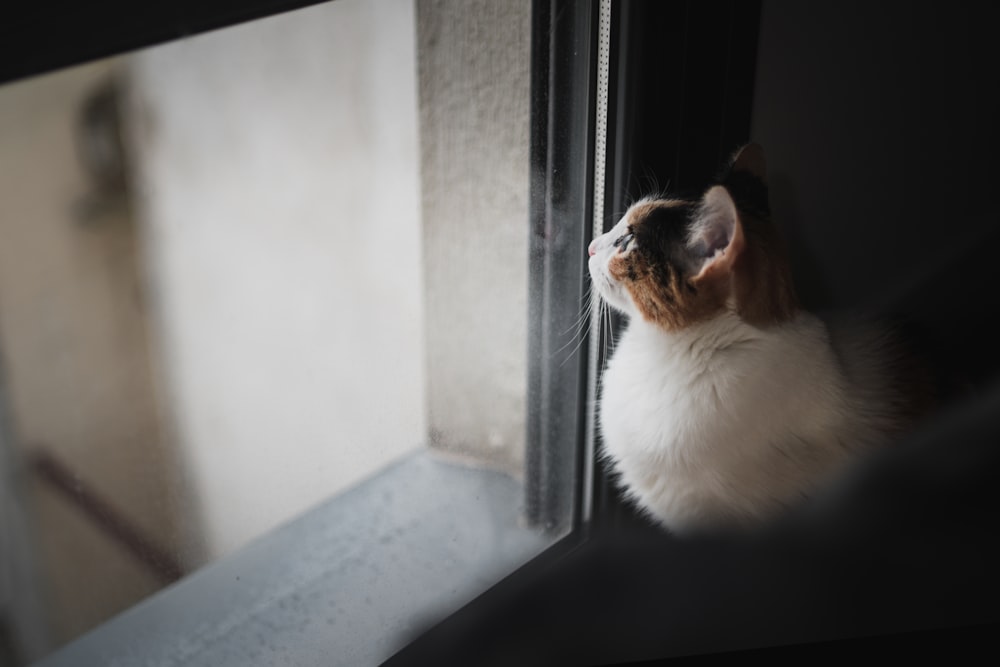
column 265, row 328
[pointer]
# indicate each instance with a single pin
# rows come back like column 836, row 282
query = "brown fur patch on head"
column 657, row 271
column 674, row 286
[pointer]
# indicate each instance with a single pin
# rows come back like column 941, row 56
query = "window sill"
column 347, row 583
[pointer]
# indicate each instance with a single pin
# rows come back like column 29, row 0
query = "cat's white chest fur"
column 724, row 424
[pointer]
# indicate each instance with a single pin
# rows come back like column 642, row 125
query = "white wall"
column 278, row 188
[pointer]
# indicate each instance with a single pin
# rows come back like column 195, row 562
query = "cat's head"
column 676, row 262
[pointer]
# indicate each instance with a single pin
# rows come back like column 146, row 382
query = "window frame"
column 567, row 491
column 39, row 37
column 563, row 99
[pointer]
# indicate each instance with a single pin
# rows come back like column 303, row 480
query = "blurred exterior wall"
column 278, row 188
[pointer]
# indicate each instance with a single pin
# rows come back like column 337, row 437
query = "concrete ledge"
column 345, row 584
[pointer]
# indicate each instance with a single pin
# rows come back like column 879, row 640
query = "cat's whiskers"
column 609, row 330
column 581, row 321
column 581, row 326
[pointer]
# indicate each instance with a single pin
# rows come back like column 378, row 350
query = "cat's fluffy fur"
column 723, row 402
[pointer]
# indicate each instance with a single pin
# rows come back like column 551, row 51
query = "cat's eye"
column 623, row 241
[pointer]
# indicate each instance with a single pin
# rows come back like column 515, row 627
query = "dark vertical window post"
column 562, row 130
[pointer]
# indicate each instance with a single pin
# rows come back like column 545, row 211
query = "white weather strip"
column 600, row 148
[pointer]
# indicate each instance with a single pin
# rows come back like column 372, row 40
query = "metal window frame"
column 564, row 34
column 37, row 37
column 680, row 84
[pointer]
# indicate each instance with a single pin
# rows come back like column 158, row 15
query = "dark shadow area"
column 879, row 122
column 9, row 655
column 907, row 543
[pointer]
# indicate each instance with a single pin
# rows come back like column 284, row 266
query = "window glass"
column 245, row 272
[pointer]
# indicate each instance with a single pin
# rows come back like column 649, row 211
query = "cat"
column 724, row 402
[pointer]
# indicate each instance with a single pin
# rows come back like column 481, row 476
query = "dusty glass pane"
column 241, row 273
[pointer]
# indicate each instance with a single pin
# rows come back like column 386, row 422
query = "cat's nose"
column 592, row 250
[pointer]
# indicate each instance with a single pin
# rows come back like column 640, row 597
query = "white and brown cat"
column 724, row 402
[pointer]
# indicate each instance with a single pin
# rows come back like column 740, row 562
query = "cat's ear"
column 750, row 159
column 716, row 239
